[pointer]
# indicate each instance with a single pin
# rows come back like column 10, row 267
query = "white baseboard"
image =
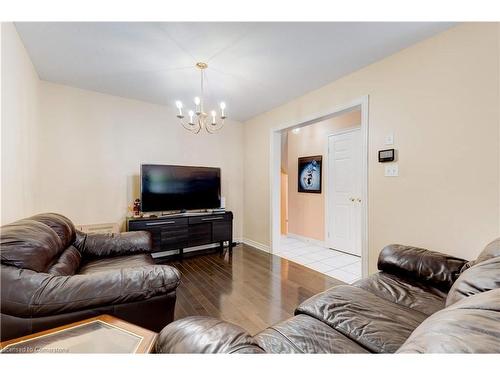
column 312, row 241
column 256, row 244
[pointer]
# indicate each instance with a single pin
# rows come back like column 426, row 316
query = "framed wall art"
column 309, row 174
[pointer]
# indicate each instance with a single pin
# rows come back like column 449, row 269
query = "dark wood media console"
column 177, row 232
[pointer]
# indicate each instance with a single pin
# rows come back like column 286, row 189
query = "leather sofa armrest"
column 201, row 334
column 26, row 293
column 99, row 245
column 468, row 326
column 423, row 265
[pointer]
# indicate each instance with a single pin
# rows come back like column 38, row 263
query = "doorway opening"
column 324, row 227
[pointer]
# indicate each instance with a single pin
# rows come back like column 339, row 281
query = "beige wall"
column 19, row 108
column 306, row 211
column 78, row 152
column 92, row 146
column 440, row 98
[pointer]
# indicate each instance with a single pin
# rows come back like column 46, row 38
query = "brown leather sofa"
column 420, row 302
column 52, row 274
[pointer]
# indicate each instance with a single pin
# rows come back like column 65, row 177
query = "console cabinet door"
column 200, row 234
column 174, row 237
column 222, row 231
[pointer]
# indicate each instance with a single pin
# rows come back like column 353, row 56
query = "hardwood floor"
column 251, row 288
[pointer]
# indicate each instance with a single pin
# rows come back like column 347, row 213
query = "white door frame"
column 328, row 180
column 275, row 173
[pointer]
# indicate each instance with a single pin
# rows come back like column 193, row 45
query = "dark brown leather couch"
column 420, row 302
column 52, row 274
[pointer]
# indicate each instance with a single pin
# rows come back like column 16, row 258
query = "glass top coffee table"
column 102, row 334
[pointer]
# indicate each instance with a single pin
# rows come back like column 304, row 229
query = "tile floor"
column 339, row 265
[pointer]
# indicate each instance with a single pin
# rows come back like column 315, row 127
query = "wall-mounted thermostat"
column 385, row 156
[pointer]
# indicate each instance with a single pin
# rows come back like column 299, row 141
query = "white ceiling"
column 252, row 66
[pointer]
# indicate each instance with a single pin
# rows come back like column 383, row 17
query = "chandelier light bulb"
column 222, row 108
column 197, row 102
column 178, row 104
column 213, row 117
column 191, row 114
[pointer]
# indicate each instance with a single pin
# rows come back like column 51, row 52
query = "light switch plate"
column 389, row 139
column 392, row 170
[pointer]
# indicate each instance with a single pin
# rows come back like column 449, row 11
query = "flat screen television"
column 175, row 187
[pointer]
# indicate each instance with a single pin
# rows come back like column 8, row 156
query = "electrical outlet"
column 392, row 170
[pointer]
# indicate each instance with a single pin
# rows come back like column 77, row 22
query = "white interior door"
column 344, row 191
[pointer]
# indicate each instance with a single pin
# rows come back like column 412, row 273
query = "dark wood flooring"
column 251, row 288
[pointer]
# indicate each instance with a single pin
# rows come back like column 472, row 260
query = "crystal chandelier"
column 199, row 119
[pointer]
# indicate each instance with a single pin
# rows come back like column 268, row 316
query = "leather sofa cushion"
column 376, row 324
column 479, row 278
column 26, row 293
column 422, row 265
column 203, row 334
column 116, row 263
column 471, row 325
column 304, row 334
column 418, row 296
column 29, row 244
column 59, row 224
column 102, row 245
column 67, row 264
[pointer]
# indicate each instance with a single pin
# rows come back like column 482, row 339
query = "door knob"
column 359, row 200
column 352, row 199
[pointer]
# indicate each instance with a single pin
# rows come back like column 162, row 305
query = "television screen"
column 174, row 187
